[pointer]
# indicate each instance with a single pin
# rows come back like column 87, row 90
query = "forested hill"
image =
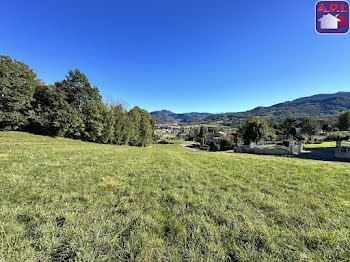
column 323, row 105
column 166, row 116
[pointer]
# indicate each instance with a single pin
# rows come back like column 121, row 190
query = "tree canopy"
column 69, row 108
column 311, row 127
column 256, row 129
column 344, row 121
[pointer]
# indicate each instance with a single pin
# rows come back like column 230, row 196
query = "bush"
column 214, row 147
column 334, row 136
column 165, row 142
column 225, row 145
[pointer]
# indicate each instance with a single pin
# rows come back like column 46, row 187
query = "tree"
column 311, row 127
column 202, row 134
column 135, row 121
column 214, row 147
column 17, row 86
column 255, row 129
column 122, row 125
column 94, row 121
column 146, row 129
column 288, row 127
column 78, row 89
column 108, row 132
column 66, row 117
column 344, row 121
column 141, row 127
column 225, row 144
column 69, row 108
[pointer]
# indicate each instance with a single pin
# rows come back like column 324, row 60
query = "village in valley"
column 289, row 138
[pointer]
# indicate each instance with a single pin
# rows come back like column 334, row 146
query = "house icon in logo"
column 329, row 21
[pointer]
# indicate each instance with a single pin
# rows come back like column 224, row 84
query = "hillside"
column 323, row 105
column 166, row 116
column 323, row 96
column 318, row 107
column 68, row 200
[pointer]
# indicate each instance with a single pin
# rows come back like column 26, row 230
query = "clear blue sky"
column 181, row 55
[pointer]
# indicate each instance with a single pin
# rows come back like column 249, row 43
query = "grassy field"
column 64, row 200
column 322, row 145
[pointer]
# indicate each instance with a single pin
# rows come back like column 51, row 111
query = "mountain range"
column 320, row 106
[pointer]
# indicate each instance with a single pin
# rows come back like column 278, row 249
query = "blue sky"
column 181, row 55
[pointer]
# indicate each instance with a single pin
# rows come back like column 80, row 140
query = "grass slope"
column 69, row 200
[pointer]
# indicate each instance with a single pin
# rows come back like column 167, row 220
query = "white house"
column 329, row 21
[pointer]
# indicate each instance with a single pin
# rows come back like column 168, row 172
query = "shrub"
column 214, row 147
column 334, row 136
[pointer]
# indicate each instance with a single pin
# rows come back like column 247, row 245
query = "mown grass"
column 64, row 200
column 322, row 145
column 165, row 136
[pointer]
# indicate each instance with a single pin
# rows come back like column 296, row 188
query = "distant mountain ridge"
column 321, row 105
column 166, row 116
column 322, row 96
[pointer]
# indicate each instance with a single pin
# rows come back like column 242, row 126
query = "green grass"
column 165, row 136
column 63, row 200
column 322, row 145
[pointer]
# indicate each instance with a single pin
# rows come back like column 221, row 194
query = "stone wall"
column 272, row 150
column 343, row 150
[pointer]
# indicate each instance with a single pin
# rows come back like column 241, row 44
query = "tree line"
column 69, row 108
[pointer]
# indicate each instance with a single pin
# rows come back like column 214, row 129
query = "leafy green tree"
column 225, row 144
column 146, row 128
column 108, row 133
column 288, row 127
column 202, row 132
column 40, row 122
column 141, row 127
column 78, row 89
column 344, row 121
column 255, row 129
column 94, row 121
column 135, row 121
column 67, row 118
column 214, row 147
column 69, row 108
column 122, row 125
column 311, row 127
column 17, row 86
